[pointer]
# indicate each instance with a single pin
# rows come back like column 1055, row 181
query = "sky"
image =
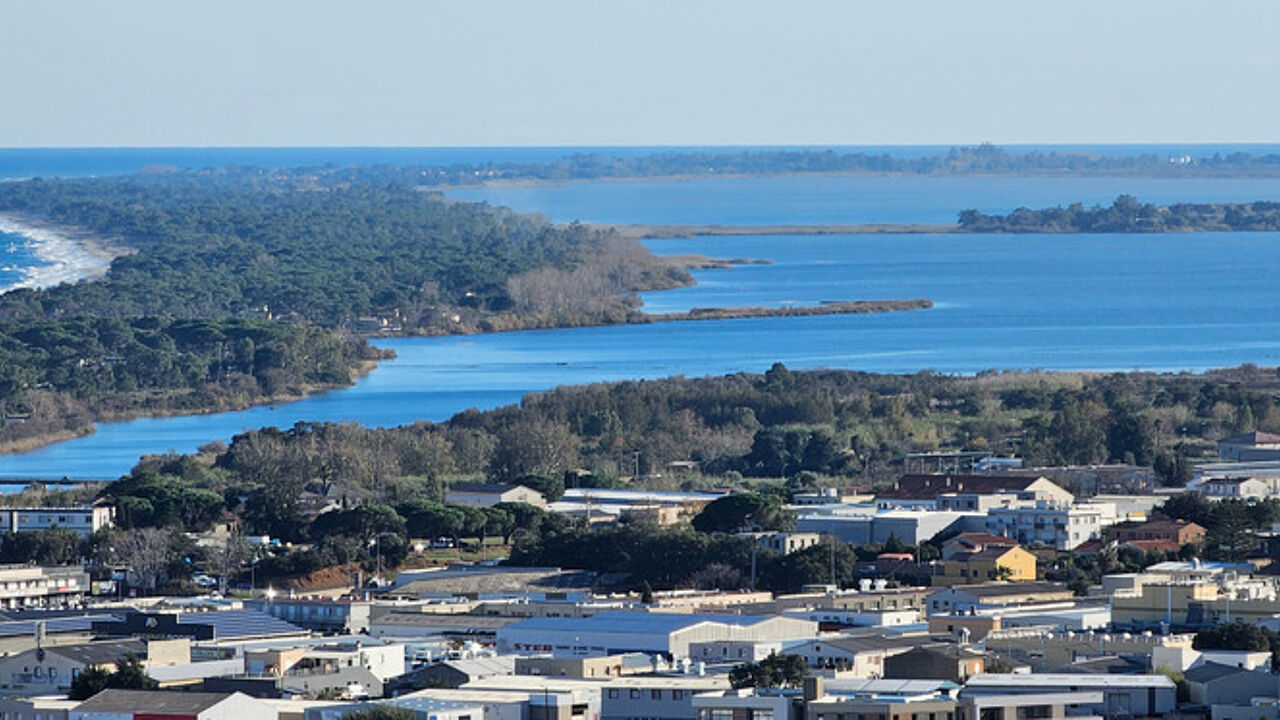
column 645, row 72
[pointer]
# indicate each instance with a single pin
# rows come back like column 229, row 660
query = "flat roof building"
column 626, row 631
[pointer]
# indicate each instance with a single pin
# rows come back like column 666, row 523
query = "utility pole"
column 833, row 561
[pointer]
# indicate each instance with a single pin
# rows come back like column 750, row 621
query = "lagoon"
column 1065, row 302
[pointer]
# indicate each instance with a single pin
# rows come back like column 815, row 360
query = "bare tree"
column 147, row 552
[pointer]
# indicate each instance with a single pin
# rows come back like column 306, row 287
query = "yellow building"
column 991, row 563
column 1194, row 604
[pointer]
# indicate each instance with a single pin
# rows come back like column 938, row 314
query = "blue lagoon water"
column 846, row 199
column 1106, row 302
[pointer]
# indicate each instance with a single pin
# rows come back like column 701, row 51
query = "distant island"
column 1127, row 215
column 985, row 159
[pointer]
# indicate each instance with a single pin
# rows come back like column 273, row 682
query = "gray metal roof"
column 1211, row 671
column 159, row 702
column 102, row 652
column 627, row 621
column 232, row 624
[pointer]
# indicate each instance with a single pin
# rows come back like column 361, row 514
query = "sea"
column 1002, row 302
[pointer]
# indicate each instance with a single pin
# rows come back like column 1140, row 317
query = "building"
column 1062, row 526
column 27, row 586
column 481, row 582
column 935, row 662
column 1121, row 695
column 417, row 625
column 456, row 673
column 733, row 651
column 344, row 617
column 605, row 666
column 623, row 631
column 488, row 495
column 859, row 656
column 1237, row 487
column 969, row 493
column 656, row 697
column 45, row 707
column 47, row 671
column 784, row 543
column 987, row 565
column 744, row 704
column 1076, row 616
column 974, row 541
column 893, row 701
column 866, row 525
column 157, row 704
column 1250, row 447
column 1195, row 603
column 1180, row 532
column 1046, row 647
column 995, row 595
column 1016, row 706
column 420, row 707
column 384, row 660
column 1214, row 684
column 83, row 520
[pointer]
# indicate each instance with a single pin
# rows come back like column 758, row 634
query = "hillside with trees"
column 766, row 436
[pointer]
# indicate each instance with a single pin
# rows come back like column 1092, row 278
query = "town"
column 978, row 589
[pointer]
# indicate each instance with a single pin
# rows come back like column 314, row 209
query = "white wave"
column 64, row 258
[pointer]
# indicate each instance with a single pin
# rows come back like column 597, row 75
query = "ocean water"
column 79, row 162
column 846, row 199
column 1104, row 302
column 17, row 257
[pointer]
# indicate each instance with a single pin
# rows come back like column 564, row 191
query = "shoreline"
column 533, row 182
column 68, row 255
column 640, row 231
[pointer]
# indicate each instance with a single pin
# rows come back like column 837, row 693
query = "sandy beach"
column 68, row 255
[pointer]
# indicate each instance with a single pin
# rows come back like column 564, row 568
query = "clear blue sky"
column 599, row 72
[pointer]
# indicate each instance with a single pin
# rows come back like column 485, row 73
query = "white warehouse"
column 631, row 631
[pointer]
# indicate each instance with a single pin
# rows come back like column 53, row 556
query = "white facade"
column 82, row 520
column 1239, row 487
column 668, row 633
column 785, row 543
column 24, row 586
column 865, row 525
column 478, row 495
column 745, row 703
column 1060, row 526
column 732, row 651
column 655, row 697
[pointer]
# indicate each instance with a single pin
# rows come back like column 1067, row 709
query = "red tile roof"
column 928, row 487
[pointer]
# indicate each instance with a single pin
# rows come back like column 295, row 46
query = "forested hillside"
column 804, row 428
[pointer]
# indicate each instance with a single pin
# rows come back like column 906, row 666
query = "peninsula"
column 231, row 290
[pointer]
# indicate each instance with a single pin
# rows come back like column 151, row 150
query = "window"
column 613, row 693
column 762, row 714
column 655, row 694
column 722, row 714
column 675, row 695
column 53, row 673
column 635, row 694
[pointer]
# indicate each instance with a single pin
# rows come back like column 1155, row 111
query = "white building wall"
column 238, row 706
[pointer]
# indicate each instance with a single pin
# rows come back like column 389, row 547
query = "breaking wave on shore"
column 60, row 257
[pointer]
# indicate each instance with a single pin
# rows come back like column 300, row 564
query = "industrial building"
column 627, row 631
